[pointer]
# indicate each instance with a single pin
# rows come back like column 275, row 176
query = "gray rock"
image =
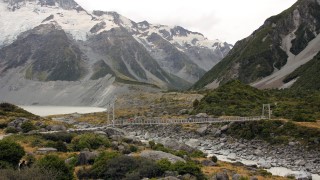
column 258, row 152
column 220, row 176
column 183, row 111
column 217, row 133
column 207, row 162
column 85, row 157
column 173, row 144
column 58, row 128
column 292, row 143
column 300, row 162
column 147, row 135
column 264, row 164
column 188, row 177
column 158, row 155
column 114, row 132
column 46, row 150
column 100, row 133
column 303, row 175
column 193, row 142
column 202, row 130
column 224, row 128
column 232, row 156
column 202, row 115
column 236, row 177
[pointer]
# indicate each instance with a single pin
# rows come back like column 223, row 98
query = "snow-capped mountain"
column 52, row 41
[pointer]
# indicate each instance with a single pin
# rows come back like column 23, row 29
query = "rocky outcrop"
column 158, row 155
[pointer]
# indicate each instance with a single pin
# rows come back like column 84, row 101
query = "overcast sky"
column 227, row 20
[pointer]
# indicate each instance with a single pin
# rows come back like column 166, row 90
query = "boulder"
column 188, row 177
column 57, row 128
column 202, row 130
column 183, row 111
column 220, row 176
column 236, row 177
column 100, row 133
column 201, row 115
column 232, row 156
column 114, row 132
column 46, row 150
column 86, row 157
column 193, row 142
column 158, row 155
column 147, row 135
column 217, row 133
column 301, row 175
column 224, row 128
column 300, row 162
column 17, row 123
column 207, row 162
column 258, row 152
column 264, row 164
column 175, row 145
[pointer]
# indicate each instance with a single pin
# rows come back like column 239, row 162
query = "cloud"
column 228, row 20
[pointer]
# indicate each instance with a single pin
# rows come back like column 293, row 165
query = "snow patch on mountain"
column 31, row 15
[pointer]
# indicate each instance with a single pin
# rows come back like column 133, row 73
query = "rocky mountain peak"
column 64, row 4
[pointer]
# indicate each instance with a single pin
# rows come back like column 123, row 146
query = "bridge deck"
column 184, row 121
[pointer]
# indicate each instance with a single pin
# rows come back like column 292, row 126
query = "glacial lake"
column 56, row 110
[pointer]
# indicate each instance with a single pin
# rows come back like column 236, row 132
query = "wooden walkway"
column 184, row 121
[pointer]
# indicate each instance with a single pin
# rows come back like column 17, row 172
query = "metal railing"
column 184, row 121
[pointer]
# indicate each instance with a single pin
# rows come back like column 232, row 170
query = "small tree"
column 10, row 153
column 55, row 164
column 196, row 103
column 27, row 126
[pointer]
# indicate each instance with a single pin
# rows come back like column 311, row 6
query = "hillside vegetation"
column 237, row 99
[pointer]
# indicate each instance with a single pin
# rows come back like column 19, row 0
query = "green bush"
column 214, row 159
column 59, row 145
column 60, row 136
column 10, row 153
column 188, row 168
column 55, row 164
column 27, row 127
column 90, row 141
column 27, row 174
column 11, row 130
column 123, row 167
column 198, row 154
column 133, row 148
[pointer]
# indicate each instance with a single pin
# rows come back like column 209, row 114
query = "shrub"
column 152, row 144
column 90, row 141
column 27, row 174
column 55, row 164
column 214, row 159
column 133, row 148
column 60, row 136
column 60, row 146
column 11, row 130
column 124, row 167
column 198, row 154
column 188, row 168
column 164, row 165
column 10, row 152
column 27, row 126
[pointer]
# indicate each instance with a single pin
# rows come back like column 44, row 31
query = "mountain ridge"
column 83, row 41
column 282, row 44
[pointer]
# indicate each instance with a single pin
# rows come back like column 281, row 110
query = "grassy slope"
column 237, row 99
